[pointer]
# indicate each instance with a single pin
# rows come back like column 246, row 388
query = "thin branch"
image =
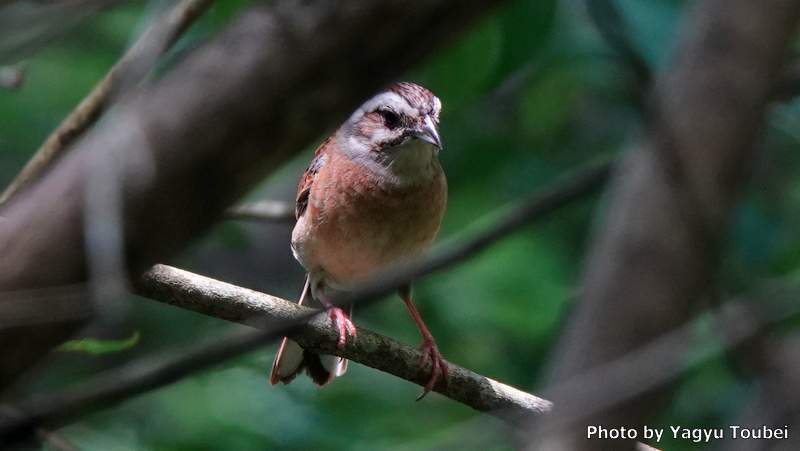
column 273, row 315
column 613, row 28
column 137, row 62
column 131, row 379
column 269, row 211
column 26, row 27
column 611, row 25
column 647, row 366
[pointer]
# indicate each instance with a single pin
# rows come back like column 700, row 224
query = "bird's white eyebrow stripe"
column 391, row 99
column 388, row 98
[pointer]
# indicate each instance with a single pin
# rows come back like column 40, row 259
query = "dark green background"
column 528, row 94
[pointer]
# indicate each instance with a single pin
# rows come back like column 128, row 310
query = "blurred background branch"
column 114, row 386
column 132, row 68
column 26, row 25
column 612, row 26
column 655, row 254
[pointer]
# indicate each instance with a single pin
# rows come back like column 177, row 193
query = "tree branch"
column 137, row 62
column 274, row 316
column 613, row 28
column 26, row 27
column 116, row 385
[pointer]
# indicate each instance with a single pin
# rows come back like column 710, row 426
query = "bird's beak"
column 428, row 133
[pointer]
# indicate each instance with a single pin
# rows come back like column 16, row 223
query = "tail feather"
column 333, row 364
column 289, row 361
column 292, row 359
column 316, row 370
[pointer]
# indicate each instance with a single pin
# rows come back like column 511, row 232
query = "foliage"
column 96, row 346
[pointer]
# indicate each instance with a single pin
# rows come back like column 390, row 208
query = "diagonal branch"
column 275, row 316
column 139, row 61
column 272, row 315
column 614, row 30
column 114, row 386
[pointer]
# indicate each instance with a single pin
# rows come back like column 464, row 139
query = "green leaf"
column 96, row 346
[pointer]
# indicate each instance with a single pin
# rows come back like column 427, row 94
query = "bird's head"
column 401, row 122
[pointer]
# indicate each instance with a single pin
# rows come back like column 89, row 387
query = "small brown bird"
column 373, row 195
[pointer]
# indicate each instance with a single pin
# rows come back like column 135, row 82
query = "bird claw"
column 343, row 324
column 438, row 365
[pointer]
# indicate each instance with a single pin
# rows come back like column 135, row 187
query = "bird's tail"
column 292, row 359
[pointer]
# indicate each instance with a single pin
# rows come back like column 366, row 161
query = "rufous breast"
column 359, row 220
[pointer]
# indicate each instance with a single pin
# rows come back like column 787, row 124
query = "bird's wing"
column 307, row 180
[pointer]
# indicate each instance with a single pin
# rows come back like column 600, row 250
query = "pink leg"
column 428, row 346
column 341, row 321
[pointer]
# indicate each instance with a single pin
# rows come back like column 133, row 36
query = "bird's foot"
column 342, row 323
column 438, row 364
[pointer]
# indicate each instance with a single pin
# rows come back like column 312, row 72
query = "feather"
column 292, row 359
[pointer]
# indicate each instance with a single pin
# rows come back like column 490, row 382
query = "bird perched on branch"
column 373, row 195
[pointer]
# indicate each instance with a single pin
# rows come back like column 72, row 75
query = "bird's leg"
column 341, row 321
column 428, row 346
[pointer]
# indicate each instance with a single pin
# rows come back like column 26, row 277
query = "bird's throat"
column 411, row 162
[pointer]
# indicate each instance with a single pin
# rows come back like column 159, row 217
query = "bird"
column 373, row 195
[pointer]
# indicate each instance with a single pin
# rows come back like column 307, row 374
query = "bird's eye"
column 390, row 118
